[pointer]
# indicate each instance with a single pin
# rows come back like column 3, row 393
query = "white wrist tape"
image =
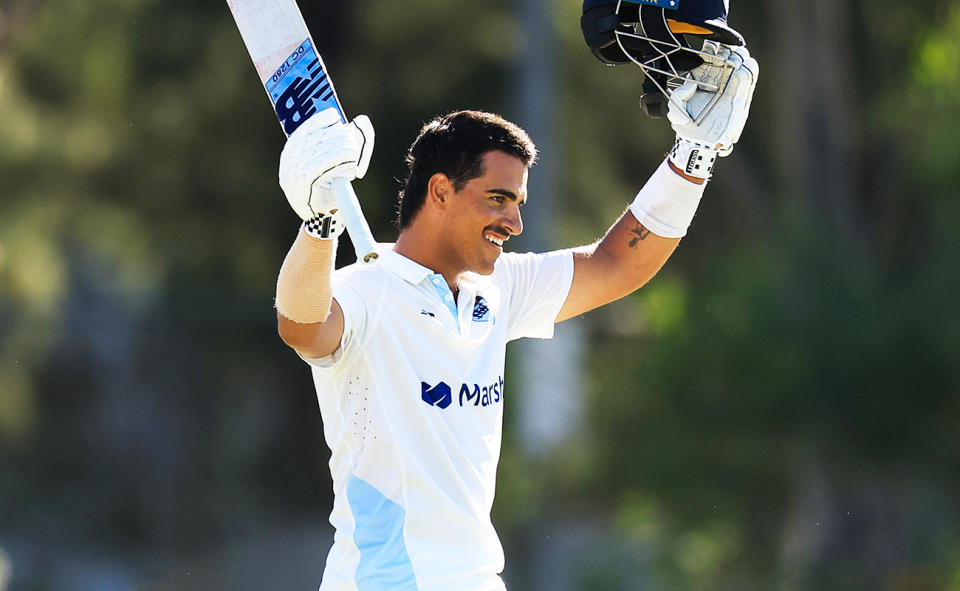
column 304, row 292
column 667, row 203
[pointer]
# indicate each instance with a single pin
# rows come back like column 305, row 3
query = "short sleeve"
column 537, row 285
column 356, row 311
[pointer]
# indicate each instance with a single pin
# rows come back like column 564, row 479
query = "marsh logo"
column 441, row 395
column 481, row 395
column 438, row 395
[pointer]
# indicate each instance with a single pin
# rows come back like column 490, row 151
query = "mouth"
column 494, row 239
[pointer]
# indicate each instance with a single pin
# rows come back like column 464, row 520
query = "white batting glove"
column 734, row 72
column 321, row 149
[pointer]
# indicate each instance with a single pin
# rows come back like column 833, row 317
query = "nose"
column 513, row 221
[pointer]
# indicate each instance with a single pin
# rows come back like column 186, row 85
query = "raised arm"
column 631, row 253
column 645, row 236
column 308, row 318
column 304, row 292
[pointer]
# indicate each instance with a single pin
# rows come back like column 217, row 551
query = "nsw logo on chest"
column 482, row 311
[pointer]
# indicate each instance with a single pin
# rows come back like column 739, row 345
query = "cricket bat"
column 298, row 86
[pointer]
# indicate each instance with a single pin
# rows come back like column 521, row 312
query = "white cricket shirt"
column 412, row 407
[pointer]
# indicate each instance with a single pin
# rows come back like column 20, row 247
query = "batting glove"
column 320, row 150
column 710, row 109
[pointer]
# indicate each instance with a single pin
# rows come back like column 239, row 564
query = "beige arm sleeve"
column 304, row 293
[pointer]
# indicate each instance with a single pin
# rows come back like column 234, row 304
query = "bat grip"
column 360, row 234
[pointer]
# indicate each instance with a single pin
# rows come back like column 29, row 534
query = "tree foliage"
column 778, row 407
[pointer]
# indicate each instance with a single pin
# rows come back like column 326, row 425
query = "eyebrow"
column 505, row 193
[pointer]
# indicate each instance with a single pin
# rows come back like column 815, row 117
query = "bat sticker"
column 299, row 88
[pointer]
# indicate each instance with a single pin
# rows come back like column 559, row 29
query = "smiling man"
column 408, row 353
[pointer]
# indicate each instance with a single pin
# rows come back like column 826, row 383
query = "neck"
column 420, row 248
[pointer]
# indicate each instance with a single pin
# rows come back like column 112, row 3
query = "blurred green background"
column 778, row 409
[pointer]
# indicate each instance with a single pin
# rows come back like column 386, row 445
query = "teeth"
column 496, row 241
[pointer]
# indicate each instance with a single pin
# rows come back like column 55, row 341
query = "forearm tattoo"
column 639, row 233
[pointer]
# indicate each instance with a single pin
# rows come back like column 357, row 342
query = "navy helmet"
column 663, row 37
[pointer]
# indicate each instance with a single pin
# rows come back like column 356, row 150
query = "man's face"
column 486, row 212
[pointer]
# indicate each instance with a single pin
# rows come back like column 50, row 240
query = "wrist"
column 667, row 202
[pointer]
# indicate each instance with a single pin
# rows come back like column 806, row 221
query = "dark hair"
column 454, row 145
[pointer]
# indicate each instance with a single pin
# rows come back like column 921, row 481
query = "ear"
column 439, row 190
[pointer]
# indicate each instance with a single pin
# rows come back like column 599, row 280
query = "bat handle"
column 360, row 234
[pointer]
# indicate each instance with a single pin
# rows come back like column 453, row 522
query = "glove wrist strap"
column 324, row 225
column 693, row 158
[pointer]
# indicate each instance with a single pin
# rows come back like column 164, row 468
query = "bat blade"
column 298, row 86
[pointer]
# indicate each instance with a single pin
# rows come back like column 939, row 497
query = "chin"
column 484, row 270
column 486, row 267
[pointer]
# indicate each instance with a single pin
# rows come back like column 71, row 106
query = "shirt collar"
column 413, row 272
column 405, row 268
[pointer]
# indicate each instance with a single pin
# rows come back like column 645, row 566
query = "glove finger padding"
column 724, row 116
column 677, row 115
column 718, row 63
column 740, row 107
column 365, row 127
column 321, row 149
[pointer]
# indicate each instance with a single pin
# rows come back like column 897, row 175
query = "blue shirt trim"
column 378, row 533
column 443, row 290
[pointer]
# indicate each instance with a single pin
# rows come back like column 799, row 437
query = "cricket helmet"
column 662, row 37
